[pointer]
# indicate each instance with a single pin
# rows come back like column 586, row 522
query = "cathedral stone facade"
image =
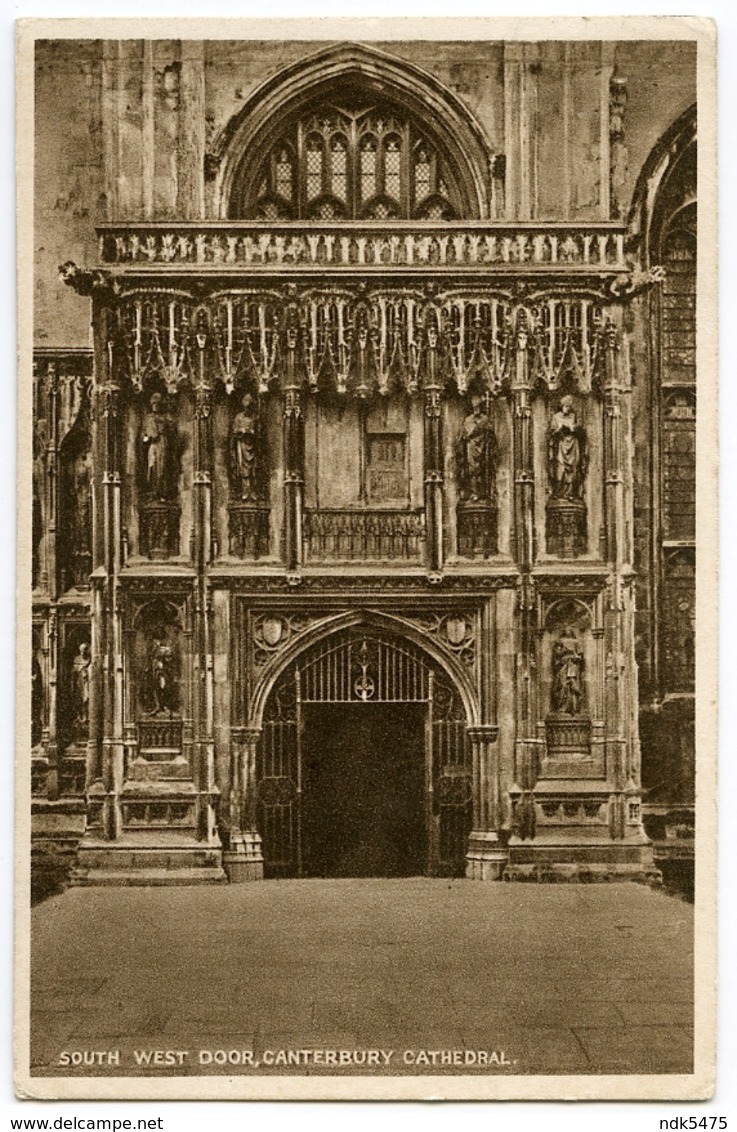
column 363, row 461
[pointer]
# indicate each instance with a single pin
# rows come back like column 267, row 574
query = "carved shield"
column 272, row 630
column 456, row 629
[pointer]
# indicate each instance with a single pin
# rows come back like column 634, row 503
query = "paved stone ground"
column 563, row 978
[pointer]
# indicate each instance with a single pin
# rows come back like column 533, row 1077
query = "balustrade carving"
column 364, row 535
column 249, row 531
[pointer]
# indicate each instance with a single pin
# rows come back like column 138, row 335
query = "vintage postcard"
column 367, row 696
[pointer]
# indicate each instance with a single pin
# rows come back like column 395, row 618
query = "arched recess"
column 248, row 135
column 666, row 184
column 663, row 226
column 364, row 764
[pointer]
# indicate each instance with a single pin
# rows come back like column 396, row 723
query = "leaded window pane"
column 422, row 176
column 368, row 169
column 284, row 175
column 339, row 167
column 392, row 168
column 314, row 167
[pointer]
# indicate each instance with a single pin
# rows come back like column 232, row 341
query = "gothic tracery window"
column 338, row 163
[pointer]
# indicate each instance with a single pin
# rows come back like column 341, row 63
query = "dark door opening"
column 363, row 781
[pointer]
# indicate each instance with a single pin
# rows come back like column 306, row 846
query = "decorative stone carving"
column 358, row 341
column 586, row 246
column 248, row 530
column 566, row 526
column 455, row 632
column 271, row 633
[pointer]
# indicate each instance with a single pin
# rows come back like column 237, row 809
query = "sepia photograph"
column 359, row 624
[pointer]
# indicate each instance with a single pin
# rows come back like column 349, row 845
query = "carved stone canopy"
column 358, row 341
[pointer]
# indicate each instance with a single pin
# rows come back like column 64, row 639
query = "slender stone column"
column 293, row 445
column 433, row 457
column 204, row 722
column 244, row 860
column 485, row 859
column 620, row 727
column 111, row 643
column 527, row 742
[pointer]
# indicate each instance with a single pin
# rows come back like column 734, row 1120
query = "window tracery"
column 337, row 163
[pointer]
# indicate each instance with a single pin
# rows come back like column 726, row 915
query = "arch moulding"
column 298, row 84
column 369, row 619
column 660, row 170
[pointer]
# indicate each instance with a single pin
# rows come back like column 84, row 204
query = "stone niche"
column 568, row 664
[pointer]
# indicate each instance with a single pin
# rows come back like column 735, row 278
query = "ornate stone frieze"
column 366, row 585
column 450, row 245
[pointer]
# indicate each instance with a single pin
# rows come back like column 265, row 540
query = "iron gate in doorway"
column 354, row 668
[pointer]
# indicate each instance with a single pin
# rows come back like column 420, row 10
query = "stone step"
column 147, row 876
column 148, row 858
column 158, row 857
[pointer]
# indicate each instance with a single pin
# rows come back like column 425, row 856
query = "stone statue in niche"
column 476, row 463
column 565, row 522
column 245, row 470
column 81, row 691
column 37, row 702
column 567, row 688
column 36, row 535
column 37, row 516
column 567, row 456
column 81, row 518
column 160, row 455
column 162, row 691
column 477, row 454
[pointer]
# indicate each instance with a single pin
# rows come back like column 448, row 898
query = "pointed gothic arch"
column 246, row 138
column 364, row 759
column 665, row 187
column 372, row 620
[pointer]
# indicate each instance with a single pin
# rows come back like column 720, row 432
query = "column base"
column 485, row 859
column 244, row 861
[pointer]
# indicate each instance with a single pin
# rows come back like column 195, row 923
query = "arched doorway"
column 364, row 764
